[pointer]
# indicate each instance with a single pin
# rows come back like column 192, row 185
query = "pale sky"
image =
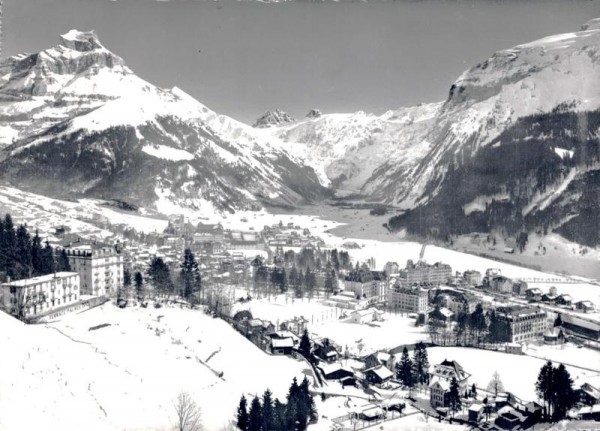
column 337, row 57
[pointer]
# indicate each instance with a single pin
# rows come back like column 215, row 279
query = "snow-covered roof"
column 41, row 279
column 476, row 407
column 443, row 383
column 363, row 313
column 382, row 356
column 381, row 372
column 282, row 343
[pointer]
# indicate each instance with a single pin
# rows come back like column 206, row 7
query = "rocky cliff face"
column 77, row 121
column 273, row 118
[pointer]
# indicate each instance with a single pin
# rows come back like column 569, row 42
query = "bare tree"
column 495, row 385
column 189, row 417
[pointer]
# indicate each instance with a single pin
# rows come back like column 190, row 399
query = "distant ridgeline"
column 23, row 256
column 541, row 174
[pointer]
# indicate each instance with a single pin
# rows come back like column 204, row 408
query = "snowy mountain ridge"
column 80, row 122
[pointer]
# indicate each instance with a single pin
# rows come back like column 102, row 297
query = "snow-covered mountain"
column 515, row 147
column 532, row 78
column 347, row 150
column 75, row 120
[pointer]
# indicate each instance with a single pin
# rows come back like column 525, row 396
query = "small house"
column 378, row 375
column 379, row 358
column 335, row 371
column 475, row 413
column 325, row 351
column 362, row 316
column 514, row 348
column 588, row 395
column 533, row 294
column 282, row 346
column 554, row 336
column 585, row 306
column 564, row 299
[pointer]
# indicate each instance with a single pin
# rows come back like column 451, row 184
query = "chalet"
column 585, row 306
column 380, row 358
column 325, row 351
column 440, row 379
column 282, row 346
column 549, row 298
column 533, row 294
column 336, row 371
column 581, row 327
column 442, row 315
column 588, row 395
column 564, row 299
column 378, row 375
column 554, row 336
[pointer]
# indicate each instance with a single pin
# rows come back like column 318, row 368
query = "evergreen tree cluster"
column 554, row 386
column 415, row 371
column 268, row 414
column 23, row 256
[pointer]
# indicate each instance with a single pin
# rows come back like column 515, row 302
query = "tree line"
column 415, row 371
column 24, row 256
column 554, row 386
column 158, row 276
column 270, row 414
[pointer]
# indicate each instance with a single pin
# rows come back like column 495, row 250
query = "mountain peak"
column 80, row 40
column 273, row 118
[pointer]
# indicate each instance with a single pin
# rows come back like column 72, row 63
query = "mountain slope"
column 81, row 123
column 532, row 78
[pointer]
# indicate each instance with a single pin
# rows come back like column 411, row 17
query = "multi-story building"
column 526, row 323
column 472, row 277
column 440, row 380
column 408, row 299
column 100, row 269
column 39, row 296
column 366, row 284
column 423, row 273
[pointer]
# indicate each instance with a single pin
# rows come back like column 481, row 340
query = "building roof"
column 476, row 408
column 573, row 320
column 381, row 372
column 41, row 279
column 364, row 312
column 444, row 384
column 282, row 342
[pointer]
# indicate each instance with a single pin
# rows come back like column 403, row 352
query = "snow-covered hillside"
column 126, row 375
column 78, row 117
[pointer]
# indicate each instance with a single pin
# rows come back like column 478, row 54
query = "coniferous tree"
column 48, row 264
column 139, row 285
column 23, row 262
column 36, row 254
column 190, row 275
column 454, row 396
column 305, row 345
column 421, row 363
column 544, row 386
column 62, row 262
column 564, row 395
column 279, row 415
column 405, row 370
column 558, row 321
column 160, row 276
column 473, row 390
column 127, row 278
column 255, row 416
column 268, row 414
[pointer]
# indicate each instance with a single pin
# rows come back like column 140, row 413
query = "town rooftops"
column 41, row 279
column 282, row 342
column 449, row 369
column 443, row 383
column 518, row 310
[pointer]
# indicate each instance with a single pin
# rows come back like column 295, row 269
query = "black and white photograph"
column 299, row 215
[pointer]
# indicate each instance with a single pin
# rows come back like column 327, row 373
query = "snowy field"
column 518, row 373
column 125, row 376
column 325, row 321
